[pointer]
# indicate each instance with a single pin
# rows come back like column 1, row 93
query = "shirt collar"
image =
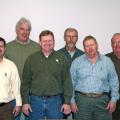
column 18, row 41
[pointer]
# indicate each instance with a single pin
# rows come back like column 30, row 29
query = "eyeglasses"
column 69, row 36
column 116, row 43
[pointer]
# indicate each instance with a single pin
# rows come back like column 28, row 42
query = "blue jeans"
column 45, row 107
column 18, row 117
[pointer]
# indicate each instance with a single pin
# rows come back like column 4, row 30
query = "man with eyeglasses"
column 115, row 57
column 70, row 51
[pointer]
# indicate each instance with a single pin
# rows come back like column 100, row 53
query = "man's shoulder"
column 8, row 61
column 109, row 54
column 79, row 50
column 33, row 42
column 11, row 43
column 35, row 54
column 62, row 49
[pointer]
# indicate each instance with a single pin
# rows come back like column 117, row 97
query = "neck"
column 46, row 53
column 117, row 55
column 23, row 42
column 1, row 58
column 93, row 59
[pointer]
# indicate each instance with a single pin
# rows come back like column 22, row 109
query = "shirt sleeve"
column 73, row 76
column 16, row 85
column 113, row 82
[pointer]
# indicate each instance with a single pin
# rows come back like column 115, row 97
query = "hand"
column 16, row 110
column 26, row 109
column 74, row 107
column 111, row 106
column 66, row 109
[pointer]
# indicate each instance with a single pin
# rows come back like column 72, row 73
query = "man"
column 9, row 86
column 70, row 51
column 46, row 79
column 115, row 57
column 20, row 48
column 94, row 77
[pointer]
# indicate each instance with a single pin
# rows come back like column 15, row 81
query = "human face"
column 47, row 43
column 116, row 45
column 2, row 49
column 71, row 38
column 91, row 48
column 23, row 32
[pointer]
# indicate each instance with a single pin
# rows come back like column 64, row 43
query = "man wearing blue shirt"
column 95, row 83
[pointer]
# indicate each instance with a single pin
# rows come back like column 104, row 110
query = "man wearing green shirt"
column 20, row 48
column 46, row 78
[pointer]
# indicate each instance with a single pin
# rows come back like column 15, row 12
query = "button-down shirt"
column 94, row 78
column 9, row 82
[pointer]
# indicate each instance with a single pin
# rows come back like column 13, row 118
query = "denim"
column 21, row 116
column 45, row 107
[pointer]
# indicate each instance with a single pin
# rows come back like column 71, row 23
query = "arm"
column 73, row 76
column 16, row 89
column 25, row 82
column 114, row 87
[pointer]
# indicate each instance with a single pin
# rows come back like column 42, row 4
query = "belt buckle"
column 93, row 95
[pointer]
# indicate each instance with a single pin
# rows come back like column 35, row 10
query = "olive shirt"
column 18, row 52
column 116, row 62
column 46, row 76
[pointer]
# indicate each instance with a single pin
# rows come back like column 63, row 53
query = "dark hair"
column 3, row 40
column 45, row 33
column 89, row 37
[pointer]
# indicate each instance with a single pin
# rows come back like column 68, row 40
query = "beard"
column 70, row 45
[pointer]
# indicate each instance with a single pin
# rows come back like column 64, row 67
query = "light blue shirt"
column 94, row 78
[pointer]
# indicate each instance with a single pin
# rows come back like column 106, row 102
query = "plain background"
column 100, row 18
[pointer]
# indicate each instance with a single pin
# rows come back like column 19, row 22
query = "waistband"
column 92, row 95
column 4, row 103
column 47, row 96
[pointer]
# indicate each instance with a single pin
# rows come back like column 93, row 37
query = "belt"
column 92, row 95
column 48, row 96
column 2, row 104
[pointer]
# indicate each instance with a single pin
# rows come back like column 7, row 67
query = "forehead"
column 71, row 32
column 1, row 43
column 116, row 38
column 90, row 41
column 47, row 37
column 24, row 25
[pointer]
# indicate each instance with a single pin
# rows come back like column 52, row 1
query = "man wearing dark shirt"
column 115, row 57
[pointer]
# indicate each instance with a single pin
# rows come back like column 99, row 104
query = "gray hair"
column 23, row 20
column 70, row 29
